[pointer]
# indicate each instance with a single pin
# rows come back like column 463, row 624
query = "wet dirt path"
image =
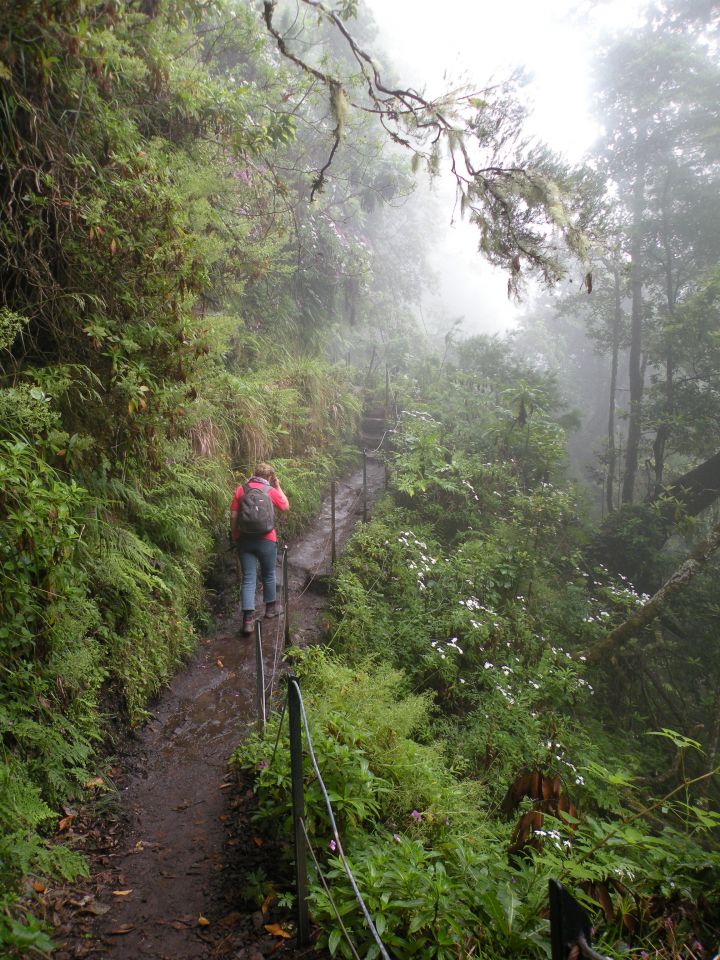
column 173, row 783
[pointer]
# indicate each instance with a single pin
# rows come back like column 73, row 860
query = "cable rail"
column 570, row 926
column 294, row 690
column 293, row 704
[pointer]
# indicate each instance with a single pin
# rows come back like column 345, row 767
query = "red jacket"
column 277, row 496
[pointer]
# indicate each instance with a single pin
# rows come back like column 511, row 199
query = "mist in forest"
column 471, row 46
column 629, row 93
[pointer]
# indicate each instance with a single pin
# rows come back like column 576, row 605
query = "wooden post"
column 333, row 548
column 364, row 486
column 569, row 926
column 286, row 595
column 298, row 802
column 259, row 676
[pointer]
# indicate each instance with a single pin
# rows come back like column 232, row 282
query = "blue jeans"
column 251, row 550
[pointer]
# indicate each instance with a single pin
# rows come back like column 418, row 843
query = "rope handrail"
column 346, row 866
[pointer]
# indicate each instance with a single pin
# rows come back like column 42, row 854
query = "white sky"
column 476, row 40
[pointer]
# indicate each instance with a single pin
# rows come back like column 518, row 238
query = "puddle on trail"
column 173, row 793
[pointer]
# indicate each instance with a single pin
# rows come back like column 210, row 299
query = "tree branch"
column 649, row 611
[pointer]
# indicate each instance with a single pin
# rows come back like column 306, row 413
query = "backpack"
column 256, row 514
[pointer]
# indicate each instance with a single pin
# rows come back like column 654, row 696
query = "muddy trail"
column 167, row 866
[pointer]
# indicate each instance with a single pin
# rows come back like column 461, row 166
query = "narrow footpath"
column 157, row 873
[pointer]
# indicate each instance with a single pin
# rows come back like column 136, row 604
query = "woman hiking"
column 252, row 528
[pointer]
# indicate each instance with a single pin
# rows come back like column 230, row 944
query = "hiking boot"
column 248, row 622
column 271, row 610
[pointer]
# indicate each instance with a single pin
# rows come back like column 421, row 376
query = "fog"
column 470, row 43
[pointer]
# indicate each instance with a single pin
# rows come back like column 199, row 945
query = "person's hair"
column 265, row 471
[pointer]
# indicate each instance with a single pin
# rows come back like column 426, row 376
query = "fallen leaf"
column 258, row 841
column 120, row 931
column 97, row 909
column 38, row 887
column 203, row 921
column 121, row 893
column 266, row 903
column 81, row 903
column 231, row 919
column 277, row 931
column 225, row 786
column 219, row 662
column 66, row 822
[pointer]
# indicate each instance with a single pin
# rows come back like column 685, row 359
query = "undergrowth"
column 469, row 753
column 102, row 594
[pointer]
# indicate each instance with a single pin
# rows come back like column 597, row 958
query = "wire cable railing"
column 329, row 895
column 294, row 689
column 569, row 923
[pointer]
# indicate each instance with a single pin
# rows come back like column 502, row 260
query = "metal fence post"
column 364, row 486
column 286, row 595
column 259, row 676
column 333, row 549
column 298, row 799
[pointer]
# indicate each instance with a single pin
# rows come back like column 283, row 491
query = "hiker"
column 252, row 528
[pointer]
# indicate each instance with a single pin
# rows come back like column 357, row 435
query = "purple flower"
column 262, row 764
column 333, row 846
column 417, row 816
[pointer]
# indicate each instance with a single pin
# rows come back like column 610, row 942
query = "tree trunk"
column 647, row 613
column 663, row 431
column 629, row 540
column 636, row 378
column 665, row 427
column 611, row 452
column 699, row 488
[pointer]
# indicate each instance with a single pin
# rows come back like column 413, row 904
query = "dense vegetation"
column 156, row 334
column 206, row 246
column 471, row 752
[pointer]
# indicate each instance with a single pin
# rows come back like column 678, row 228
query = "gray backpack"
column 256, row 514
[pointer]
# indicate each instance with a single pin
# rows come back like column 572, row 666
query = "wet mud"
column 159, row 883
